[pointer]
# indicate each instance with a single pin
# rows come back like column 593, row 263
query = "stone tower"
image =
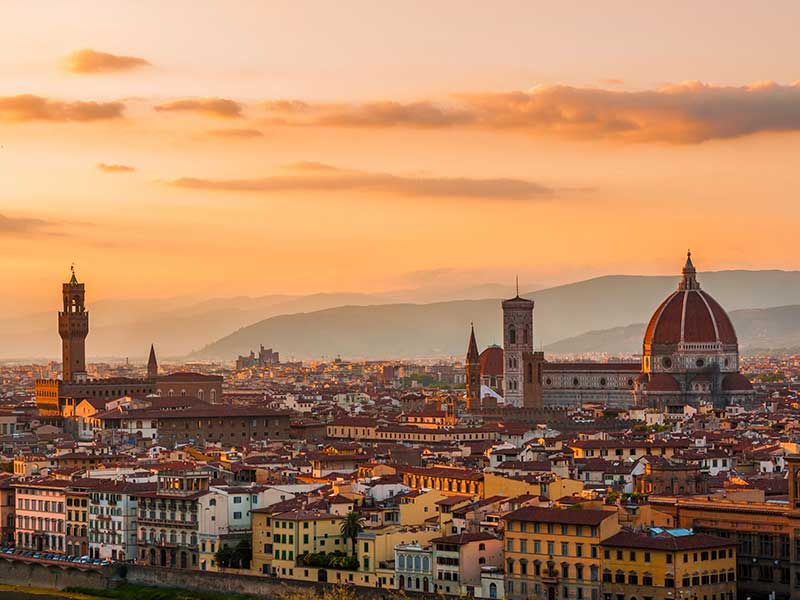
column 523, row 366
column 73, row 327
column 473, row 365
column 152, row 364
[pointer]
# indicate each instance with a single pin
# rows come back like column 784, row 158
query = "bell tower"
column 73, row 327
column 517, row 347
column 473, row 366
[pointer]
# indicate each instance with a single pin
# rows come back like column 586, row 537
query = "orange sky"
column 265, row 147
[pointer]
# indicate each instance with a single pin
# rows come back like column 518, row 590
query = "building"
column 458, row 561
column 41, row 514
column 77, row 522
column 473, row 366
column 232, row 425
column 655, row 564
column 554, row 553
column 690, row 352
column 7, row 507
column 690, row 356
column 73, row 327
column 206, row 388
column 113, row 511
column 522, row 369
column 168, row 519
column 280, row 538
column 53, row 396
column 265, row 358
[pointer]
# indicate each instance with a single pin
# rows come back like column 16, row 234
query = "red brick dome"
column 736, row 382
column 492, row 362
column 690, row 316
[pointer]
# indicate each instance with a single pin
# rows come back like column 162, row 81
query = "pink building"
column 41, row 519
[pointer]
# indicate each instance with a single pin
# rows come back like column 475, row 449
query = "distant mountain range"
column 591, row 315
column 562, row 313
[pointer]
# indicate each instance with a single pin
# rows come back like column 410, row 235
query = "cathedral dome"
column 690, row 317
column 492, row 361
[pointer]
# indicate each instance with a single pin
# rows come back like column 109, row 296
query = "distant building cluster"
column 266, row 357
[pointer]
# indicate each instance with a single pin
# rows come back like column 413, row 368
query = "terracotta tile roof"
column 570, row 516
column 666, row 541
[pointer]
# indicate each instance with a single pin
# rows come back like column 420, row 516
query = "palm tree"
column 352, row 525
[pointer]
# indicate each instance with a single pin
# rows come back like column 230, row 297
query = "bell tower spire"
column 152, row 364
column 473, row 367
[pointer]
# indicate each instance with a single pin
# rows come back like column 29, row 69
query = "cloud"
column 235, row 133
column 90, row 61
column 10, row 226
column 687, row 113
column 28, row 107
column 218, row 107
column 422, row 114
column 320, row 178
column 112, row 168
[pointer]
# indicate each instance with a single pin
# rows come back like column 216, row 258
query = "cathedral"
column 55, row 397
column 690, row 354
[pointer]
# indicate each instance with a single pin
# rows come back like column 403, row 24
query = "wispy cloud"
column 687, row 113
column 235, row 133
column 114, row 168
column 88, row 61
column 218, row 107
column 321, row 178
column 22, row 226
column 27, row 107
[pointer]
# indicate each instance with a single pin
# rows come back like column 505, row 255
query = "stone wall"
column 256, row 585
column 59, row 577
column 52, row 576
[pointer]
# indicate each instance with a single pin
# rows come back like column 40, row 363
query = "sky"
column 248, row 148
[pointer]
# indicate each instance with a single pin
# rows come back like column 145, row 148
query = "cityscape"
column 399, row 300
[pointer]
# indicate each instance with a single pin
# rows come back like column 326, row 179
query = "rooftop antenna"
column 517, row 278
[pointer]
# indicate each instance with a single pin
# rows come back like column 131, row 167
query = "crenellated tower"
column 73, row 327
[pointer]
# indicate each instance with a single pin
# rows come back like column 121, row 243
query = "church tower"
column 473, row 365
column 152, row 364
column 523, row 366
column 73, row 327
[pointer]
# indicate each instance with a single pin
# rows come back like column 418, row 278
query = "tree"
column 352, row 525
column 224, row 556
column 242, row 554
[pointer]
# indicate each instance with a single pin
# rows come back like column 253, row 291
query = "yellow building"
column 450, row 480
column 280, row 538
column 555, row 553
column 548, row 485
column 418, row 507
column 668, row 564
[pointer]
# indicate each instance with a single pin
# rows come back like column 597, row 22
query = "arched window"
column 426, row 564
column 401, row 561
column 512, row 335
column 213, row 395
column 530, row 372
column 525, row 335
column 492, row 590
column 416, row 563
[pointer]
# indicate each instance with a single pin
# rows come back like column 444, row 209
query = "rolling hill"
column 563, row 312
